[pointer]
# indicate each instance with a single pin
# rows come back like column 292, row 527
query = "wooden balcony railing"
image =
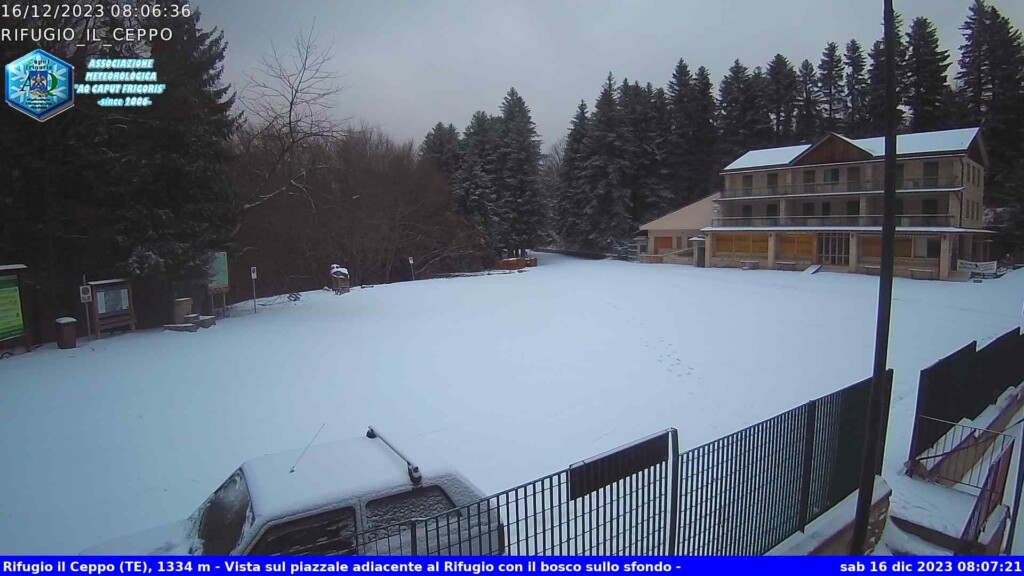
column 902, row 220
column 851, row 187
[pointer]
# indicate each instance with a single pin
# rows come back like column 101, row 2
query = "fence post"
column 805, row 479
column 412, row 536
column 1015, row 513
column 673, row 497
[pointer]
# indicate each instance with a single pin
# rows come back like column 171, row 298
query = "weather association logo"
column 39, row 84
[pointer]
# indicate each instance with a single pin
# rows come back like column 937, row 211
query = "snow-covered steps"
column 196, row 323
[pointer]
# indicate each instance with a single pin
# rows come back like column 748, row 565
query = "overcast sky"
column 406, row 65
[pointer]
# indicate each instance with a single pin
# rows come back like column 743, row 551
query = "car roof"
column 328, row 474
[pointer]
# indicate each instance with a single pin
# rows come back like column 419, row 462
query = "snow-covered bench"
column 781, row 265
column 750, row 264
column 872, row 269
column 922, row 272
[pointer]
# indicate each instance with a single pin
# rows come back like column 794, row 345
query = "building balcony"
column 850, row 187
column 872, row 220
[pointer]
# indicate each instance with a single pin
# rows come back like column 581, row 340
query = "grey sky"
column 409, row 64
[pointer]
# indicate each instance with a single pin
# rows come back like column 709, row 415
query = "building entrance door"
column 834, row 249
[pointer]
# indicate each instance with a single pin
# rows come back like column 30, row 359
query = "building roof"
column 906, row 144
column 690, row 217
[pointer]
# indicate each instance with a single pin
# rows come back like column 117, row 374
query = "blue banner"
column 789, row 566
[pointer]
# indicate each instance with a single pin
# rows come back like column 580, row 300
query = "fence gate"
column 618, row 503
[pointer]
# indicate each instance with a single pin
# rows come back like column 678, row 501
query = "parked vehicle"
column 343, row 498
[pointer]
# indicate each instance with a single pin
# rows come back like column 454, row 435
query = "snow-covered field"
column 508, row 376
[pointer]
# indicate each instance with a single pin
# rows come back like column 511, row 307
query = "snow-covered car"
column 342, row 498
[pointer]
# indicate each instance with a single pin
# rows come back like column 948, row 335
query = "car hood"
column 174, row 539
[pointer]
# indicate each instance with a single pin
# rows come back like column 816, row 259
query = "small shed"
column 112, row 305
column 13, row 310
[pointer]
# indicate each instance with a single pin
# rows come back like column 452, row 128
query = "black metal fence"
column 963, row 384
column 746, row 493
column 742, row 494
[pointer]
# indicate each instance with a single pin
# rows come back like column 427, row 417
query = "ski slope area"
column 506, row 376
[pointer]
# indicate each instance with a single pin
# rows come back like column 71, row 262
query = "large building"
column 821, row 203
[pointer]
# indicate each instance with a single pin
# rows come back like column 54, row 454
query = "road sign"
column 85, row 294
column 410, row 259
column 252, row 272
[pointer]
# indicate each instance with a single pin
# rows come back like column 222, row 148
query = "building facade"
column 822, row 204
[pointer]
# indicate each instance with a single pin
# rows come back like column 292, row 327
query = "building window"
column 832, row 175
column 808, row 209
column 934, row 248
column 747, row 210
column 748, row 181
column 773, row 210
column 899, row 207
column 853, row 208
column 773, row 181
column 931, row 174
column 853, row 179
column 904, row 247
column 826, row 208
column 809, row 179
column 900, row 185
column 925, row 247
column 930, row 206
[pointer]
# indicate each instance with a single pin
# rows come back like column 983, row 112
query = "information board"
column 218, row 279
column 112, row 301
column 12, row 325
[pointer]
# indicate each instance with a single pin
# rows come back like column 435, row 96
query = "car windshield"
column 224, row 516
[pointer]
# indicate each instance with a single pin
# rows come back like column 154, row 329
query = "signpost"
column 411, row 269
column 252, row 272
column 111, row 306
column 85, row 295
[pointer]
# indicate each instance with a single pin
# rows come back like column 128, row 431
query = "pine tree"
column 186, row 207
column 474, row 183
column 607, row 213
column 442, row 148
column 572, row 188
column 679, row 147
column 856, row 90
column 704, row 138
column 925, row 76
column 782, row 92
column 630, row 136
column 992, row 88
column 875, row 101
column 518, row 196
column 657, row 178
column 833, row 90
column 808, row 112
column 760, row 120
column 742, row 115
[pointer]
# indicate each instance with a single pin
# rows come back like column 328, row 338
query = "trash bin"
column 66, row 332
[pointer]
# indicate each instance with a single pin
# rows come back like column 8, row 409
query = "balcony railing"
column 903, row 220
column 850, row 187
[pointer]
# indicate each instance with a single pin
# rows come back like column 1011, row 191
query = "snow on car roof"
column 918, row 143
column 327, row 474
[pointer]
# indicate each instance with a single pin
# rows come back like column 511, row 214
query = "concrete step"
column 181, row 327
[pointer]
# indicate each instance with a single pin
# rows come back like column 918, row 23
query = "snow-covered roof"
column 917, row 143
column 9, row 267
column 111, row 281
column 693, row 216
column 328, row 474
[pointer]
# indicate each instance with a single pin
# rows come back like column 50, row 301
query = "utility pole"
column 870, row 459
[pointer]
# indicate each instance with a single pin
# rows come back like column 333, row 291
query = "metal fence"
column 990, row 492
column 742, row 494
column 746, row 493
column 963, row 384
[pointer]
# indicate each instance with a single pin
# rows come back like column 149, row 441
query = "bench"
column 872, row 269
column 922, row 272
column 785, row 265
column 750, row 264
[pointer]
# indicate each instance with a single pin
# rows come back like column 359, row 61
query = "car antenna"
column 414, row 471
column 307, row 447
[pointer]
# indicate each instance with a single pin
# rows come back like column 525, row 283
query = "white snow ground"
column 509, row 376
